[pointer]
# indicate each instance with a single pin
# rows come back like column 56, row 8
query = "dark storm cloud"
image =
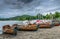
column 20, row 7
column 25, row 1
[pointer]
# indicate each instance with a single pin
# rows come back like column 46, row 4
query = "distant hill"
column 38, row 16
column 23, row 17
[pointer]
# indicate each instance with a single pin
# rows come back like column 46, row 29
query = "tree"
column 57, row 14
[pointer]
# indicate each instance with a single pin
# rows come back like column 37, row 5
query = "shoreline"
column 49, row 33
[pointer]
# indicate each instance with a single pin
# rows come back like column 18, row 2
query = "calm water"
column 2, row 23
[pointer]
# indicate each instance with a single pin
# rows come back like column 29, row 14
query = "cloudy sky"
column 11, row 8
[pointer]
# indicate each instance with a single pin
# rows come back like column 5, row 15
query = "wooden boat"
column 7, row 29
column 56, row 22
column 31, row 27
column 45, row 25
column 14, row 26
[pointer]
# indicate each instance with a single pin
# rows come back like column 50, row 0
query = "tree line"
column 56, row 15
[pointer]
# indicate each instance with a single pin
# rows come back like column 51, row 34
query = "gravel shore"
column 48, row 33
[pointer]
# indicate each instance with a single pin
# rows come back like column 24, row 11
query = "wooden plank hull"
column 28, row 28
column 45, row 26
column 57, row 24
column 8, row 30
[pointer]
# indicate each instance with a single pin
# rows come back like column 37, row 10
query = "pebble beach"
column 42, row 33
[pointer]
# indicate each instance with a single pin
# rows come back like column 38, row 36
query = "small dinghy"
column 45, row 24
column 7, row 29
column 56, row 22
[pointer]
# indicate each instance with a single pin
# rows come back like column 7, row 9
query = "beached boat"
column 56, row 22
column 31, row 27
column 44, row 23
column 7, row 29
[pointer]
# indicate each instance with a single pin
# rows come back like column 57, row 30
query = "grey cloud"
column 19, row 7
column 25, row 1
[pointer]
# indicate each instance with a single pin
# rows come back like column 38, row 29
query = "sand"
column 49, row 33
